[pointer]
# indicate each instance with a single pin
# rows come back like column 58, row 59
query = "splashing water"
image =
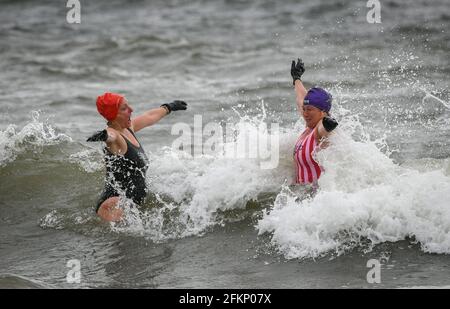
column 429, row 95
column 33, row 137
column 364, row 199
column 193, row 192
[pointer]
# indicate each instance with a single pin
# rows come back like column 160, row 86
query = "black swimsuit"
column 125, row 174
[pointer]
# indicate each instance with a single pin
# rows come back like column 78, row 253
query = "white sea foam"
column 35, row 135
column 363, row 196
column 194, row 190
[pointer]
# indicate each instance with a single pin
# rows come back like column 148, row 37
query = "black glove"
column 329, row 123
column 297, row 70
column 175, row 106
column 100, row 136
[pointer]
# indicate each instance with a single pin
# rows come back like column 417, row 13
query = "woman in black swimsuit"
column 126, row 162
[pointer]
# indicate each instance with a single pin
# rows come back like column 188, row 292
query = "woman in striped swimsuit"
column 314, row 105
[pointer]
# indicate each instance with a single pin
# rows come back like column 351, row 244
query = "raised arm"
column 297, row 71
column 300, row 93
column 154, row 115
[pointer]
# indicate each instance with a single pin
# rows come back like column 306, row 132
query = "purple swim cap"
column 319, row 98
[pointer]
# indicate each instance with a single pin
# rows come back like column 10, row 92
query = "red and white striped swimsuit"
column 308, row 171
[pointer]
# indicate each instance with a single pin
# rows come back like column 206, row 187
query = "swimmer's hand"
column 100, row 136
column 175, row 106
column 329, row 123
column 297, row 70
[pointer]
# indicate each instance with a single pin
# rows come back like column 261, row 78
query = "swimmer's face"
column 124, row 114
column 312, row 115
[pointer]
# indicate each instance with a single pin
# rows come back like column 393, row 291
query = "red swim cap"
column 108, row 105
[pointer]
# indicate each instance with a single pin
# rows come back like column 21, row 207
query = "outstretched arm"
column 148, row 118
column 154, row 115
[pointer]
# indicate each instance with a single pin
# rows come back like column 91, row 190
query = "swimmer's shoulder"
column 113, row 136
column 115, row 141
